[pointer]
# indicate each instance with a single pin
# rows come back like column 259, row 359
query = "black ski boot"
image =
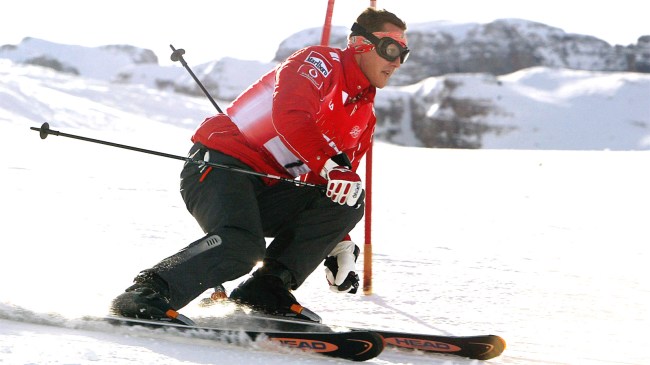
column 267, row 291
column 148, row 298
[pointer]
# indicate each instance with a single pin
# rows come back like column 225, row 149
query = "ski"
column 350, row 345
column 482, row 347
column 479, row 347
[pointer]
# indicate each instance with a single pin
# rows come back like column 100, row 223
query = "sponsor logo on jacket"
column 316, row 68
column 319, row 63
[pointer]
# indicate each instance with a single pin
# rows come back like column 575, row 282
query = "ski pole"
column 45, row 131
column 177, row 55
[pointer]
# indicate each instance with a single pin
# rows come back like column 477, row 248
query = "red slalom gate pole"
column 325, row 37
column 367, row 246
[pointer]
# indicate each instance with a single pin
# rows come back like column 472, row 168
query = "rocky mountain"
column 497, row 48
column 436, row 98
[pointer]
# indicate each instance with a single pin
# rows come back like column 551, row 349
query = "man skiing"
column 310, row 118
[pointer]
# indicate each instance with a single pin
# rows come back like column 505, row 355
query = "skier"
column 310, row 118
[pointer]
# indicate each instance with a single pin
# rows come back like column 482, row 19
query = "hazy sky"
column 209, row 30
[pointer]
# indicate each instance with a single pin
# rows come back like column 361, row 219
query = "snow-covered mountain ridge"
column 537, row 97
column 500, row 47
column 438, row 48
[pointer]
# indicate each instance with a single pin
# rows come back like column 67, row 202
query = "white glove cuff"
column 343, row 246
column 329, row 165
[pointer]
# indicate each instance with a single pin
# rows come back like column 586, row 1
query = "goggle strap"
column 359, row 30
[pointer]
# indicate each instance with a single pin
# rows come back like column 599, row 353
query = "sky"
column 252, row 30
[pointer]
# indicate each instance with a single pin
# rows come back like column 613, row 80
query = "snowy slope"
column 545, row 248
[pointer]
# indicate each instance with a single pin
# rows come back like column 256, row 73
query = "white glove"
column 340, row 268
column 343, row 185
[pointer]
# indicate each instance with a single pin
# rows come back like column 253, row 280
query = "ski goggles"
column 387, row 47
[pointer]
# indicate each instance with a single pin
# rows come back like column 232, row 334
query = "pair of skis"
column 355, row 344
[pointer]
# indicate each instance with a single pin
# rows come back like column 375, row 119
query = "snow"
column 546, row 248
column 564, row 109
column 83, row 59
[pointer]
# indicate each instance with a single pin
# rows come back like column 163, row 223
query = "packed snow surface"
column 548, row 249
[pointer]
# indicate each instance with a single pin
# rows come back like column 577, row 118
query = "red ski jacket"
column 316, row 104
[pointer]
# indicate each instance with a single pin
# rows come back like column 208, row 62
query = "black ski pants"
column 237, row 211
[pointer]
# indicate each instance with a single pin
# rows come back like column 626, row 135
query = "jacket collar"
column 356, row 82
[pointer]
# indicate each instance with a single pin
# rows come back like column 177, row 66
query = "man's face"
column 377, row 69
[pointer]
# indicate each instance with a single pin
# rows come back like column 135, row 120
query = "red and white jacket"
column 316, row 104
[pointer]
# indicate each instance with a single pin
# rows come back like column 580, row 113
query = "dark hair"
column 373, row 20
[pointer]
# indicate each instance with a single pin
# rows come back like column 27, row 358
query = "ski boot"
column 148, row 298
column 267, row 291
